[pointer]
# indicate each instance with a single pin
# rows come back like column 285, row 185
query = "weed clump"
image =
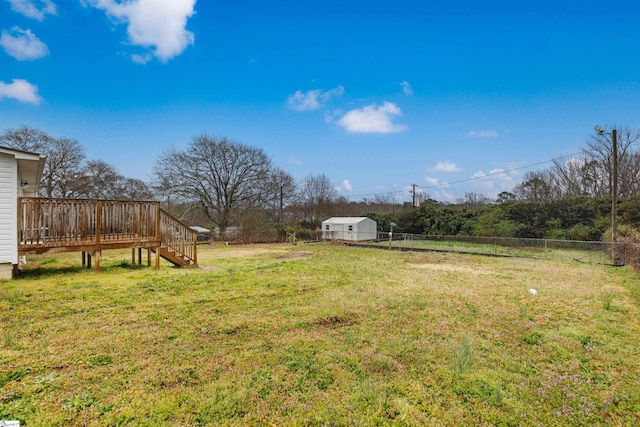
column 462, row 357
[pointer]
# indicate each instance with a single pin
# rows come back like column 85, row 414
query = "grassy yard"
column 521, row 248
column 320, row 335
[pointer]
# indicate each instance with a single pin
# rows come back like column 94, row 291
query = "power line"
column 445, row 184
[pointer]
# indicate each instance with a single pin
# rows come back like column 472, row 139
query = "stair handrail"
column 177, row 237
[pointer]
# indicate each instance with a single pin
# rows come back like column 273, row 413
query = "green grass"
column 320, row 335
column 521, row 248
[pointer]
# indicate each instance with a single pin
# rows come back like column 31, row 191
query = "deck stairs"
column 176, row 242
column 47, row 225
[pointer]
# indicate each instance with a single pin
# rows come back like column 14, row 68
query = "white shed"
column 20, row 174
column 349, row 228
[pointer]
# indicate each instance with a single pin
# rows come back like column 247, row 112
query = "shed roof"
column 199, row 229
column 346, row 220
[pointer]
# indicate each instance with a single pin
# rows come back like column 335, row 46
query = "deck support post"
column 97, row 255
column 195, row 250
column 158, row 236
column 133, row 256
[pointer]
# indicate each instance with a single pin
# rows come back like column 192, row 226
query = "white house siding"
column 8, row 209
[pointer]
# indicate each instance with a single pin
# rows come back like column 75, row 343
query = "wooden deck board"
column 83, row 225
column 86, row 246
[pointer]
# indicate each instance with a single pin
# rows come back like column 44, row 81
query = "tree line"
column 569, row 200
column 219, row 182
column 67, row 172
column 591, row 174
column 215, row 182
column 572, row 218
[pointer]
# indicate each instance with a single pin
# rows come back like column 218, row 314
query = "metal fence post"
column 546, row 254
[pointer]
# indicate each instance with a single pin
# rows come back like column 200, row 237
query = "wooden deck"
column 91, row 226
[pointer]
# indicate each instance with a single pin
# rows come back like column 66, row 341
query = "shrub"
column 629, row 252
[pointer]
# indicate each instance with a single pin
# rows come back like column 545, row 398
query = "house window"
column 351, row 228
column 326, row 227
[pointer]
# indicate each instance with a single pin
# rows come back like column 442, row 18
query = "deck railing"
column 66, row 225
column 47, row 223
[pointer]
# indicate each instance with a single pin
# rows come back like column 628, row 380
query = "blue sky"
column 377, row 95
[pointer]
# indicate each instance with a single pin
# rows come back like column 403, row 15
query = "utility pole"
column 281, row 205
column 415, row 202
column 280, row 222
column 614, row 180
column 614, row 189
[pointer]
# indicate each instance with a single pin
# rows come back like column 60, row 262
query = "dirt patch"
column 207, row 267
column 334, row 321
column 295, row 255
column 447, row 267
column 224, row 251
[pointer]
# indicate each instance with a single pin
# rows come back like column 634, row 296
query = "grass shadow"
column 53, row 270
column 39, row 272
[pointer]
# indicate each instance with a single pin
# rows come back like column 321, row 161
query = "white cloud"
column 444, row 195
column 489, row 133
column 445, row 166
column 406, row 87
column 21, row 90
column 372, row 119
column 156, row 24
column 141, row 59
column 35, row 9
column 22, row 44
column 304, row 101
column 294, row 161
column 312, row 99
column 575, row 163
column 330, row 116
column 345, row 186
column 438, row 190
column 432, row 181
column 495, row 181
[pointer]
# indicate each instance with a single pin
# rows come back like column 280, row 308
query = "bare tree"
column 221, row 174
column 135, row 189
column 64, row 158
column 592, row 173
column 100, row 180
column 537, row 186
column 27, row 139
column 600, row 149
column 474, row 200
column 578, row 177
column 316, row 198
column 384, row 202
column 279, row 190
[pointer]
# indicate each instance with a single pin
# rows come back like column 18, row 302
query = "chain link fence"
column 606, row 253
